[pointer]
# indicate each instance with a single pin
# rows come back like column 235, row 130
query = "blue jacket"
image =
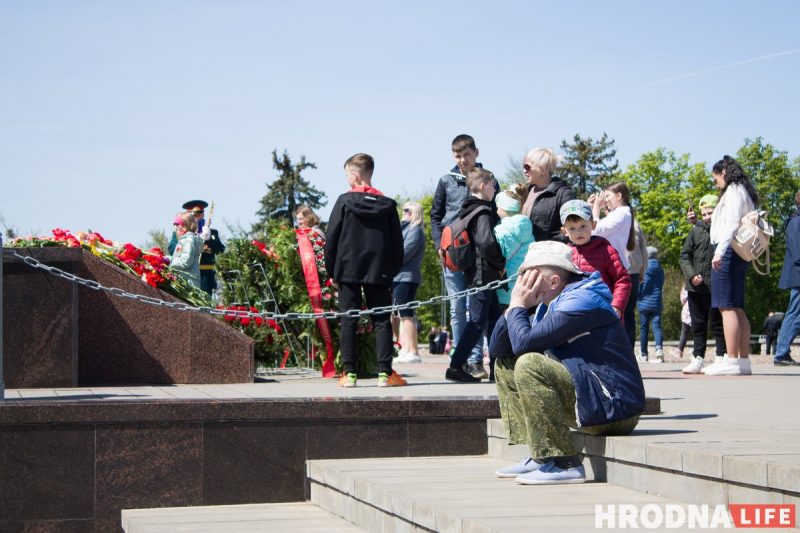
column 581, row 330
column 790, row 275
column 514, row 234
column 650, row 287
column 413, row 250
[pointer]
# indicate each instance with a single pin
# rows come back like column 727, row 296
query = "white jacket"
column 733, row 205
column 616, row 227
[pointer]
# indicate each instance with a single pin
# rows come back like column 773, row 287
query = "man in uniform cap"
column 212, row 244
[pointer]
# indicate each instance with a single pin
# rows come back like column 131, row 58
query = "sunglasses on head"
column 406, row 210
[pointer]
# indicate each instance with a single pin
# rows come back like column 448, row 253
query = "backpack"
column 751, row 240
column 457, row 246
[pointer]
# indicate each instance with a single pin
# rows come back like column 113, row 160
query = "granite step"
column 698, row 461
column 457, row 495
column 294, row 517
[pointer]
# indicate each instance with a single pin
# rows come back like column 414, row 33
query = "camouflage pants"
column 537, row 403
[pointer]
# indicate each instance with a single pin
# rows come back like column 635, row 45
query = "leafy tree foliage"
column 588, row 163
column 289, row 191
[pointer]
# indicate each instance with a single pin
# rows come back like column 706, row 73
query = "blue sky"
column 112, row 114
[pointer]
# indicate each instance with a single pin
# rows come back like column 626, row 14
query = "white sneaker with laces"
column 730, row 366
column 695, row 366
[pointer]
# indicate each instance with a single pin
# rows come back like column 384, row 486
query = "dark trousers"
column 484, row 310
column 376, row 296
column 704, row 315
column 771, row 340
column 629, row 318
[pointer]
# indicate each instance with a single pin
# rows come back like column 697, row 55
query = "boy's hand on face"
column 529, row 290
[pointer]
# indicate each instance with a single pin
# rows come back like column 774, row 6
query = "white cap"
column 550, row 253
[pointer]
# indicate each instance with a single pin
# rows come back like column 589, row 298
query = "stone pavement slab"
column 299, row 517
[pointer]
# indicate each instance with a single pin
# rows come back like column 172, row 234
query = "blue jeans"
column 790, row 327
column 645, row 318
column 484, row 310
column 454, row 282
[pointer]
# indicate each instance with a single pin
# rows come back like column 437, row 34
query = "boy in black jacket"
column 484, row 309
column 364, row 251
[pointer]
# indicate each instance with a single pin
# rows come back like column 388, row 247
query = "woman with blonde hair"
column 407, row 280
column 546, row 193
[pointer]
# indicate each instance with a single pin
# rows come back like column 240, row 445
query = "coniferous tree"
column 288, row 192
column 588, row 163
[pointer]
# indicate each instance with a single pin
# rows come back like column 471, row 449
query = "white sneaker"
column 660, row 353
column 695, row 366
column 642, row 357
column 407, row 357
column 730, row 366
column 657, row 359
column 717, row 361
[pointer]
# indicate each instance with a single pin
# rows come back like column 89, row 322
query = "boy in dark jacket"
column 650, row 306
column 364, row 251
column 484, row 309
column 451, row 191
column 695, row 262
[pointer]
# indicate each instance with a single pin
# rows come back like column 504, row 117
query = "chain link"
column 183, row 306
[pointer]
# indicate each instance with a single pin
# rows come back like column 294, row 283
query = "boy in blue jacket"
column 569, row 364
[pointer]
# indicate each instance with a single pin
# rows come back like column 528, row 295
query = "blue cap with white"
column 575, row 207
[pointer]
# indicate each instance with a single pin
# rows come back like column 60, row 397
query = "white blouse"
column 616, row 227
column 733, row 205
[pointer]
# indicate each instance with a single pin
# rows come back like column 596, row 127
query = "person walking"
column 650, row 306
column 790, row 279
column 406, row 282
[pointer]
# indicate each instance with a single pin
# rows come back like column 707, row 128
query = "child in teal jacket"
column 186, row 257
column 514, row 234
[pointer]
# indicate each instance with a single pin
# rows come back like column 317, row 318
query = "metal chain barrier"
column 183, row 306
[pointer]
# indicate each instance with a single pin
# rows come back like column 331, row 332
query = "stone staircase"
column 700, row 462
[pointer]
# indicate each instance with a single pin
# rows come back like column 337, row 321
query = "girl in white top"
column 617, row 225
column 738, row 197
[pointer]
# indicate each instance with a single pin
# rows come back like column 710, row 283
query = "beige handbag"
column 751, row 240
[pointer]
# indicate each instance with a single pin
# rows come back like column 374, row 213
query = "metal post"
column 2, row 383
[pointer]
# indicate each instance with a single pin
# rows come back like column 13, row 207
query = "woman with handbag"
column 737, row 198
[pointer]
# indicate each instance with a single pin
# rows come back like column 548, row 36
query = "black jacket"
column 545, row 214
column 490, row 263
column 696, row 256
column 365, row 244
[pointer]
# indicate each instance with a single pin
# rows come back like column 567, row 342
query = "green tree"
column 156, row 238
column 513, row 173
column 662, row 184
column 289, row 191
column 588, row 163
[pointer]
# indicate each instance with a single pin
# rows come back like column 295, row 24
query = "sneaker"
column 550, row 474
column 695, row 366
column 390, row 380
column 476, row 370
column 348, row 380
column 729, row 366
column 407, row 357
column 717, row 361
column 642, row 357
column 523, row 467
column 458, row 374
column 786, row 361
column 656, row 359
column 660, row 353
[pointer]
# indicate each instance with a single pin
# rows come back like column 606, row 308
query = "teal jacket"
column 514, row 234
column 186, row 257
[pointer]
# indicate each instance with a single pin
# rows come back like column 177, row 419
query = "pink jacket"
column 599, row 256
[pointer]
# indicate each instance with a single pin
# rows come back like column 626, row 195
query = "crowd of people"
column 561, row 335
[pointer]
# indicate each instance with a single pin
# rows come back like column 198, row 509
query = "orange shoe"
column 391, row 380
column 348, row 380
